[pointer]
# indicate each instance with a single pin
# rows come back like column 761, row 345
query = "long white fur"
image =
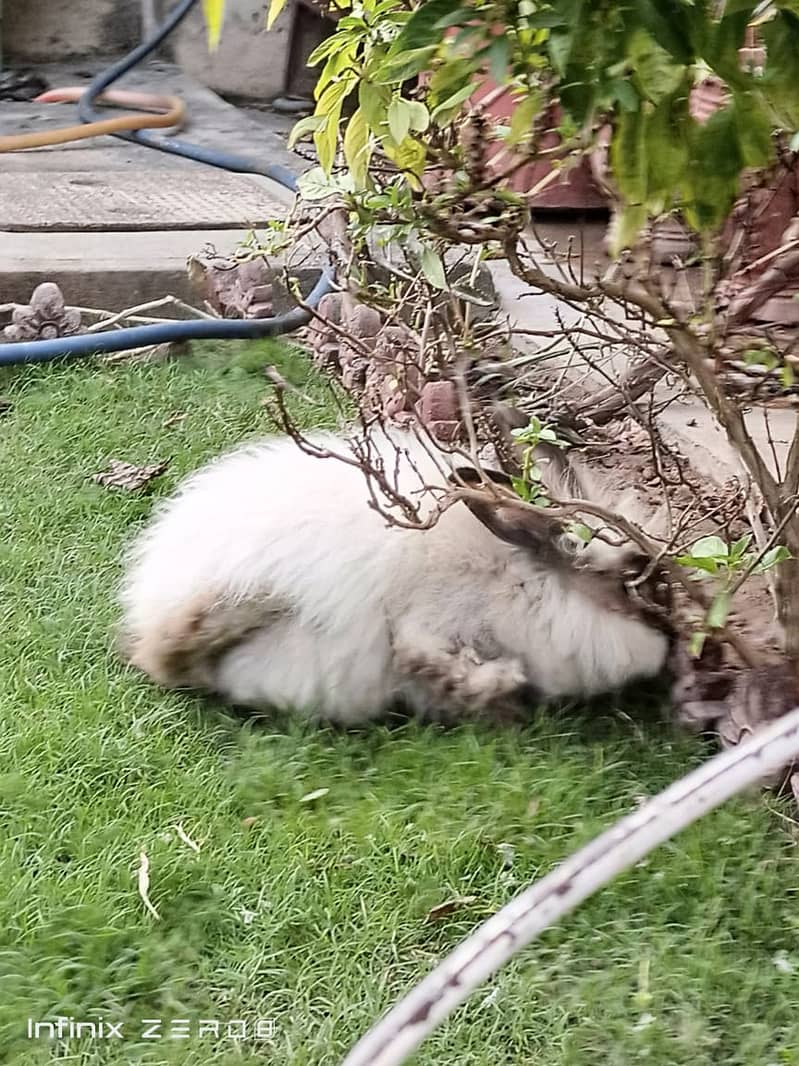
column 351, row 614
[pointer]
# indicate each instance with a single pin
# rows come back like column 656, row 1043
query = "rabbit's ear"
column 519, row 526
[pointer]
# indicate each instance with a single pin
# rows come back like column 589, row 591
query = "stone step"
column 108, row 271
column 115, row 271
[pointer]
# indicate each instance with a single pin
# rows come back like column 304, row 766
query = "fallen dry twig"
column 143, row 878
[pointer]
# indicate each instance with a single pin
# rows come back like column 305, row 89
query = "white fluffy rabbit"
column 269, row 580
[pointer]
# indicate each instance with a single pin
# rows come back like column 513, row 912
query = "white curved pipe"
column 392, row 1039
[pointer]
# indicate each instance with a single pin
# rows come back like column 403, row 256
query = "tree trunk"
column 788, row 596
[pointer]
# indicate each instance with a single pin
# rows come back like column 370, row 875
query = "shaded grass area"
column 312, row 913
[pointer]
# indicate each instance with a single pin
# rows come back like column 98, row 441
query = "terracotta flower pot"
column 769, row 212
column 573, row 189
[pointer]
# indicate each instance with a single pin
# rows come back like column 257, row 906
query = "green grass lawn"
column 312, row 913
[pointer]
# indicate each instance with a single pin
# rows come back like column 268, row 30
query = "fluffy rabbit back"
column 269, row 579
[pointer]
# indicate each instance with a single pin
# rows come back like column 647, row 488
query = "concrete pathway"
column 112, row 222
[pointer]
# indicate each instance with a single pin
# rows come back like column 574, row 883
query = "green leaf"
column 404, row 65
column 499, row 58
column 445, row 111
column 626, row 226
column 309, row 124
column 628, row 159
column 421, row 27
column 585, row 533
column 534, row 472
column 420, row 116
column 521, row 488
column 760, row 357
column 564, row 38
column 523, row 117
column 781, row 38
column 656, row 73
column 710, row 566
column 714, row 170
column 373, row 101
column 356, row 148
column 697, row 643
column 718, row 611
column 409, row 157
column 335, row 65
column 722, row 41
column 709, row 548
column 450, row 78
column 666, row 21
column 315, row 184
column 623, row 92
column 399, row 119
column 325, row 140
column 754, row 130
column 667, row 149
column 736, row 7
column 738, row 547
column 433, row 267
column 214, row 13
column 275, row 7
column 328, row 106
column 324, row 50
column 775, row 555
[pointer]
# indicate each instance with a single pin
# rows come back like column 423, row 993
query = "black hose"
column 45, row 351
column 212, row 156
column 120, row 340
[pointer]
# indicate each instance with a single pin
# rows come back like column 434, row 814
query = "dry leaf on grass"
column 184, row 836
column 154, row 353
column 144, row 884
column 174, row 420
column 128, row 476
column 443, row 910
column 309, row 797
column 507, row 853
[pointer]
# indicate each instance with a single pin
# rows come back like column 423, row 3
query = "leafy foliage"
column 414, row 67
column 713, row 556
column 528, row 486
column 214, row 13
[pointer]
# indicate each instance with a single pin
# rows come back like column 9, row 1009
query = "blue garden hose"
column 45, row 351
column 211, row 156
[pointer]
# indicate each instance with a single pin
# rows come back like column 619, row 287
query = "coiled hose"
column 44, row 351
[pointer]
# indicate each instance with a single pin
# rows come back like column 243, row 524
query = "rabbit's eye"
column 571, row 544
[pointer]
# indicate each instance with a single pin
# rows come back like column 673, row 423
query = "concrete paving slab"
column 113, row 222
column 111, row 270
column 82, row 201
column 687, row 424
